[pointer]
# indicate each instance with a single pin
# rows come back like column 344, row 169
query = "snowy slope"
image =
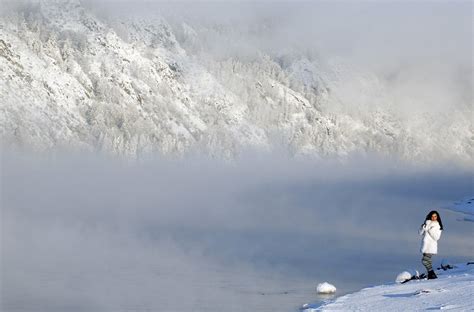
column 465, row 207
column 453, row 290
column 138, row 86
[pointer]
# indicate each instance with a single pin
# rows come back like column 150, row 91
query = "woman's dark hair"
column 428, row 217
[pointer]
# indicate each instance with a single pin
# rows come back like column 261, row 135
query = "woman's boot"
column 432, row 275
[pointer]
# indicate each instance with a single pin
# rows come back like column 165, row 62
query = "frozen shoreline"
column 452, row 290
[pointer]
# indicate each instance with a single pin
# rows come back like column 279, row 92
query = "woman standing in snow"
column 431, row 231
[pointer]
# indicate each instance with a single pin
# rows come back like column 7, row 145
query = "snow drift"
column 325, row 288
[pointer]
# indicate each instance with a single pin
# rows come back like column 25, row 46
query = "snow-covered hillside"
column 137, row 86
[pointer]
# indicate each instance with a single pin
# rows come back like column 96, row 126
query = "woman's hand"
column 422, row 229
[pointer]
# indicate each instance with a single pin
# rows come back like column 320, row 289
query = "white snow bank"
column 452, row 290
column 403, row 277
column 325, row 288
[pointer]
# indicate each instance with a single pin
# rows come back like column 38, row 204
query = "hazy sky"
column 364, row 30
column 373, row 33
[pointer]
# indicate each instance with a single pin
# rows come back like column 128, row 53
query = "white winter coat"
column 432, row 232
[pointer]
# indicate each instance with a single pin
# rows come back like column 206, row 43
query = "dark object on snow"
column 415, row 277
column 432, row 275
column 446, row 267
column 470, row 263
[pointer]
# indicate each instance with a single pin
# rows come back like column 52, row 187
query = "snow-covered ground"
column 453, row 290
column 465, row 207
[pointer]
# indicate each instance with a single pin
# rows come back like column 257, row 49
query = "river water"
column 82, row 234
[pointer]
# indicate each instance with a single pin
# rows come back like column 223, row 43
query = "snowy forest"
column 78, row 77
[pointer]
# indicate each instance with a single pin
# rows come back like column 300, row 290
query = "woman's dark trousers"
column 426, row 260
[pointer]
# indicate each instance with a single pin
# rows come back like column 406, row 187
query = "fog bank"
column 89, row 233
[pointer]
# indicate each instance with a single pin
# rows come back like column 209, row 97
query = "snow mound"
column 403, row 277
column 325, row 288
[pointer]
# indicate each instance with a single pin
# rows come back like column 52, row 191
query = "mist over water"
column 89, row 233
